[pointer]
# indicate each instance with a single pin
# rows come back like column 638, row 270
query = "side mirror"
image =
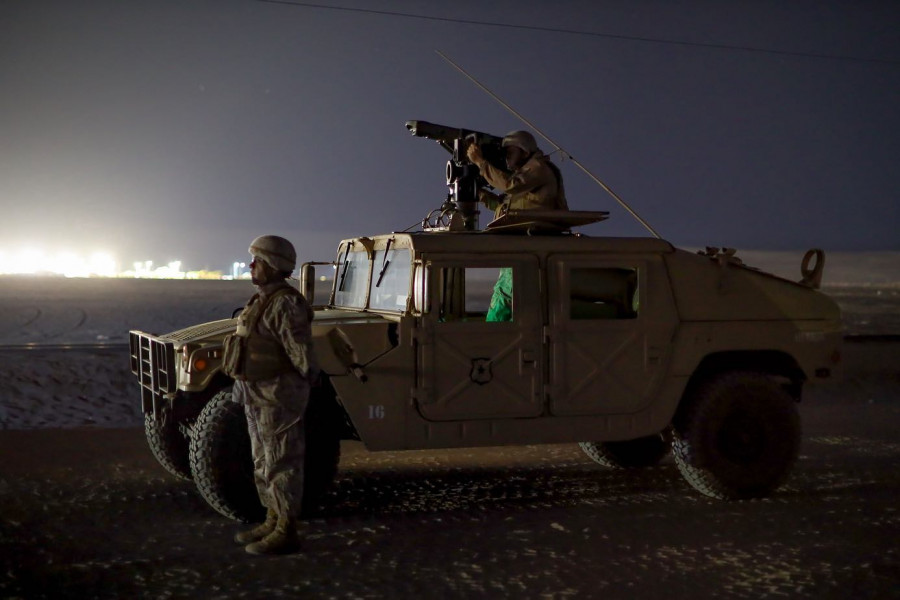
column 308, row 281
column 812, row 276
column 420, row 289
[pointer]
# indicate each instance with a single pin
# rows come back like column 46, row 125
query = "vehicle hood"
column 204, row 331
column 345, row 339
column 341, row 338
column 332, row 317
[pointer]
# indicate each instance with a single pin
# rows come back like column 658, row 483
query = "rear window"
column 603, row 293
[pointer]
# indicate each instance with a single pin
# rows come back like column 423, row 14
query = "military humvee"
column 629, row 346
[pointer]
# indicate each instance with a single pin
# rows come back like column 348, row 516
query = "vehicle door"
column 469, row 367
column 610, row 335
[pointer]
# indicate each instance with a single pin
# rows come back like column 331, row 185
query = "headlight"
column 203, row 359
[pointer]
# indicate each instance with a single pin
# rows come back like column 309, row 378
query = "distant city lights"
column 35, row 261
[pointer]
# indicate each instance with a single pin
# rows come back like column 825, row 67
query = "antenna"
column 552, row 143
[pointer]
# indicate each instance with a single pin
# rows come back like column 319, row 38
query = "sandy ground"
column 85, row 511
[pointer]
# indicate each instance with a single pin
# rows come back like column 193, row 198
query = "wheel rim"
column 742, row 438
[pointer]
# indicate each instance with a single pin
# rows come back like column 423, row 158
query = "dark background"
column 163, row 129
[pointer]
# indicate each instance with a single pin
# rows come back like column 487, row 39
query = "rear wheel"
column 640, row 452
column 737, row 436
column 222, row 465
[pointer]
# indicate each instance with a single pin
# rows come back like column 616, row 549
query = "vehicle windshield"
column 388, row 287
column 390, row 280
column 352, row 277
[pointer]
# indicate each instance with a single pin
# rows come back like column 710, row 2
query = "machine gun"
column 463, row 178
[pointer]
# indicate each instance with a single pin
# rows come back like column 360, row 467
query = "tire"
column 640, row 452
column 168, row 444
column 323, row 420
column 221, row 462
column 222, row 466
column 738, row 436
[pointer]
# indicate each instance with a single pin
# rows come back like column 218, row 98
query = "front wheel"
column 221, row 461
column 222, row 464
column 629, row 454
column 168, row 442
column 168, row 431
column 737, row 436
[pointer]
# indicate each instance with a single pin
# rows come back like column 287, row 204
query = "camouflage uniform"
column 536, row 184
column 275, row 406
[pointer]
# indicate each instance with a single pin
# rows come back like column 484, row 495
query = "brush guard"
column 153, row 362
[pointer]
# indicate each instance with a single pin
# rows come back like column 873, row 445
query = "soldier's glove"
column 473, row 152
column 489, row 199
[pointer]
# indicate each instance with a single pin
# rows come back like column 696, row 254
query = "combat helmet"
column 520, row 139
column 275, row 251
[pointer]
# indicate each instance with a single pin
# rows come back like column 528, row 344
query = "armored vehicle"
column 629, row 346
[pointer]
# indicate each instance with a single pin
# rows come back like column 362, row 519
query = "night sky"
column 163, row 129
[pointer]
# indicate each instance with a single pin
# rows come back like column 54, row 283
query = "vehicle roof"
column 487, row 242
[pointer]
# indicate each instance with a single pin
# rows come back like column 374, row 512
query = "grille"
column 153, row 362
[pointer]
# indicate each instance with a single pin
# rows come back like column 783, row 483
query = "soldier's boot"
column 258, row 532
column 283, row 540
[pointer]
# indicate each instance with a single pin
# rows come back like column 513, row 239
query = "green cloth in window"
column 501, row 301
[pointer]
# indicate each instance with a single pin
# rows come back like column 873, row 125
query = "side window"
column 603, row 293
column 466, row 294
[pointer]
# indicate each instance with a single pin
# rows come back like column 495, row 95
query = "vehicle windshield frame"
column 374, row 275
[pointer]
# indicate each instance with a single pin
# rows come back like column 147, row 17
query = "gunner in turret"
column 532, row 183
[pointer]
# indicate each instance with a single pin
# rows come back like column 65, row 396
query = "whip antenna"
column 565, row 154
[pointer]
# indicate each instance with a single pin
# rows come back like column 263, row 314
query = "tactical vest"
column 251, row 355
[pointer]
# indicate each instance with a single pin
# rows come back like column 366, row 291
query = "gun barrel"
column 432, row 131
column 447, row 134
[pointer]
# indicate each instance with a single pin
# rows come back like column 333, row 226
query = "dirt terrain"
column 87, row 512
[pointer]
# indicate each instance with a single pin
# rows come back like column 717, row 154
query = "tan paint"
column 548, row 376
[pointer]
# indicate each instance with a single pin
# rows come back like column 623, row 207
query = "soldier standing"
column 532, row 183
column 271, row 360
